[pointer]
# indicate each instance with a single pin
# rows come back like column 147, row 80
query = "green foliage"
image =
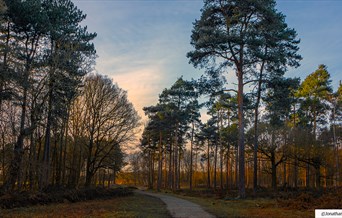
column 315, row 91
column 279, row 99
column 247, row 36
column 230, row 135
column 241, row 33
column 177, row 108
column 338, row 95
column 339, row 91
column 317, row 85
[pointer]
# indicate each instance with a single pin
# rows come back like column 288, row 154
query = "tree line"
column 60, row 126
column 268, row 124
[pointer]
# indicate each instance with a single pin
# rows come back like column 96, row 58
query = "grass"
column 130, row 206
column 247, row 208
column 260, row 207
column 138, row 205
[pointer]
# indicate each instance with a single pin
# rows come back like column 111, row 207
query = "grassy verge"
column 135, row 205
column 247, row 208
column 260, row 207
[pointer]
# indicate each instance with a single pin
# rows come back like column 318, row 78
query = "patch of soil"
column 25, row 199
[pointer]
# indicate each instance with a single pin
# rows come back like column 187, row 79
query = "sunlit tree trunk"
column 170, row 179
column 191, row 156
column 208, row 165
column 160, row 161
column 241, row 141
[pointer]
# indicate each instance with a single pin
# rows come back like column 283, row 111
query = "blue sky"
column 142, row 44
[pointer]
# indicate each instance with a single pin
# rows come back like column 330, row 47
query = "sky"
column 142, row 44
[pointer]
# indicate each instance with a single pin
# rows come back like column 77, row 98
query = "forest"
column 265, row 131
column 294, row 142
column 64, row 126
column 61, row 125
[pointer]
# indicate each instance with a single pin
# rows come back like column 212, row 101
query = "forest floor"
column 260, row 207
column 267, row 204
column 136, row 205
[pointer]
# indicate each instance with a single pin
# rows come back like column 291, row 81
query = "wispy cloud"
column 141, row 91
column 142, row 44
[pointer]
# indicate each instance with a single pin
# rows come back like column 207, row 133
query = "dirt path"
column 180, row 208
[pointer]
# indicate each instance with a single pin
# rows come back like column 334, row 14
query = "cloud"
column 141, row 86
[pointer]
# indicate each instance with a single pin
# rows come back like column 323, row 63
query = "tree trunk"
column 165, row 170
column 3, row 157
column 152, row 170
column 73, row 167
column 221, row 149
column 318, row 176
column 307, row 175
column 285, row 176
column 256, row 134
column 160, row 167
column 2, row 84
column 61, row 147
column 114, row 176
column 191, row 154
column 46, row 156
column 221, row 167
column 259, row 166
column 79, row 168
column 109, row 179
column 237, row 168
column 175, row 154
column 65, row 154
column 170, row 179
column 295, row 172
column 208, row 166
column 32, row 167
column 89, row 171
column 274, row 171
column 241, row 140
column 89, row 178
column 337, row 173
column 273, row 162
column 150, row 174
column 179, row 167
column 215, row 165
column 15, row 168
column 295, row 167
column 103, row 178
column 54, row 161
column 227, row 168
column 195, row 171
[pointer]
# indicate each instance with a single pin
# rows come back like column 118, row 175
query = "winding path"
column 180, row 208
